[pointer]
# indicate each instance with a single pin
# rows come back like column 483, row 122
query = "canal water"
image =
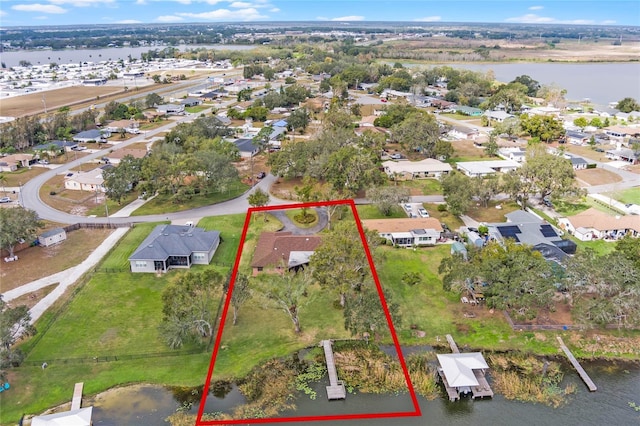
column 618, row 388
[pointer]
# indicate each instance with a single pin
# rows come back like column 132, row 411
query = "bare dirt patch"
column 249, row 169
column 32, row 104
column 38, row 262
column 597, row 176
column 31, row 299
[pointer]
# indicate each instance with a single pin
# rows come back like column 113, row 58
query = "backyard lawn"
column 630, row 195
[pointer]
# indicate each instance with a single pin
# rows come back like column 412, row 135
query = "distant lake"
column 602, row 82
column 42, row 57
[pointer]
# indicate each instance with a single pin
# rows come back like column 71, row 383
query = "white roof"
column 426, row 165
column 491, row 166
column 80, row 417
column 458, row 368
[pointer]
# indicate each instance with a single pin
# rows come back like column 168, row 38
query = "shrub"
column 442, row 207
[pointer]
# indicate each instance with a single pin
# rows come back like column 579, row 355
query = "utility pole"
column 44, row 102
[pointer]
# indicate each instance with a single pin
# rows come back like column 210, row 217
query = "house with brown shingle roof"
column 276, row 251
column 117, row 155
column 407, row 232
column 593, row 224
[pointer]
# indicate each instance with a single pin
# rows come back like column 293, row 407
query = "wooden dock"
column 583, row 374
column 336, row 389
column 76, row 401
column 452, row 343
column 451, row 391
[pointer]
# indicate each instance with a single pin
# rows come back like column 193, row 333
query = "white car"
column 423, row 213
column 5, row 200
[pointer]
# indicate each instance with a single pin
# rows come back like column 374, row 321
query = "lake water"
column 618, row 385
column 36, row 57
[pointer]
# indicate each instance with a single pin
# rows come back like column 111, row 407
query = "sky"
column 75, row 12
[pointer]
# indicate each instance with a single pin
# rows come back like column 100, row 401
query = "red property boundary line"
column 417, row 412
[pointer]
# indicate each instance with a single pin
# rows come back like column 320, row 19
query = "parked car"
column 396, row 156
column 5, row 200
column 408, row 207
column 423, row 213
column 43, row 162
column 261, row 175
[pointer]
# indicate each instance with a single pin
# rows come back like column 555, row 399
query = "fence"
column 77, row 226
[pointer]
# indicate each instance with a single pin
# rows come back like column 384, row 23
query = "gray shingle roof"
column 175, row 240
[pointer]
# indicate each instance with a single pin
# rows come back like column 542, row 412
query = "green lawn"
column 118, row 258
column 163, row 203
column 196, row 109
column 571, row 207
column 424, row 186
column 630, row 195
column 369, row 211
column 230, row 228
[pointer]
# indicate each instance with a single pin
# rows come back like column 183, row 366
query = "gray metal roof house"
column 174, row 246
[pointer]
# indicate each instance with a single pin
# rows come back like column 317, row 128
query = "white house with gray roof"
column 174, row 246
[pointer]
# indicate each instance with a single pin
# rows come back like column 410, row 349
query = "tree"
column 532, row 85
column 190, row 305
column 544, row 127
column 509, row 126
column 629, row 247
column 512, row 96
column 119, row 180
column 339, row 263
column 628, row 105
column 580, row 122
column 14, row 323
column 299, row 119
column 386, row 198
column 514, row 277
column 418, row 132
column 605, row 289
column 363, row 312
column 258, row 198
column 553, row 94
column 152, row 100
column 491, row 147
column 457, row 190
column 547, row 174
column 239, row 295
column 18, row 225
column 485, row 188
column 288, row 293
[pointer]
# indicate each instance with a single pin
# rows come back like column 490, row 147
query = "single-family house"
column 170, row 109
column 578, row 163
column 93, row 135
column 441, row 103
column 407, row 232
column 277, row 251
column 12, row 162
column 52, row 236
column 461, row 132
column 190, row 102
column 407, row 170
column 526, row 228
column 577, row 138
column 623, row 154
column 174, row 246
column 467, row 110
column 55, row 147
column 116, row 156
column 129, row 126
column 280, row 123
column 85, row 181
column 592, row 224
column 497, row 116
column 247, row 147
column 485, row 168
column 516, row 154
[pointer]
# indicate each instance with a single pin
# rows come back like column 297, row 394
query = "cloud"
column 39, row 8
column 169, row 18
column 274, row 10
column 349, row 18
column 240, row 4
column 531, row 18
column 536, row 8
column 248, row 14
column 608, row 22
column 83, row 3
column 3, row 13
column 128, row 21
column 429, row 19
